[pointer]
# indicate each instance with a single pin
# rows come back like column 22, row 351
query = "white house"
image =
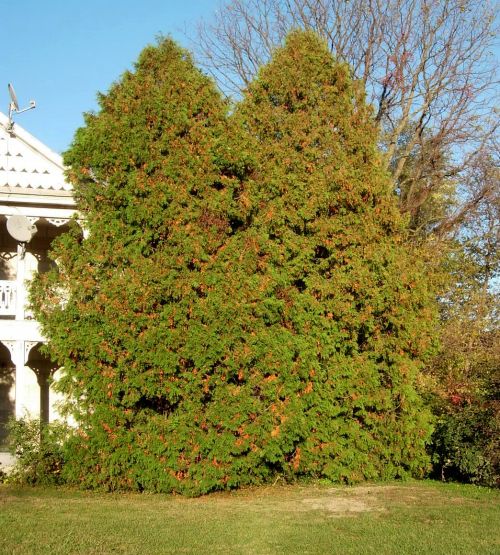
column 32, row 185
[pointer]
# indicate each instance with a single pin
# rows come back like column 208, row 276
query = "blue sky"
column 61, row 52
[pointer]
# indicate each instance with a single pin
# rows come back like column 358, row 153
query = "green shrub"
column 464, row 391
column 466, row 444
column 39, row 451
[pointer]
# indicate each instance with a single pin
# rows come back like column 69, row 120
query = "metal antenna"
column 14, row 105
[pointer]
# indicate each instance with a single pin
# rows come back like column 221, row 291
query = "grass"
column 414, row 518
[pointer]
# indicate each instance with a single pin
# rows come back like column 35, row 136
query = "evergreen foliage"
column 340, row 308
column 154, row 179
column 244, row 306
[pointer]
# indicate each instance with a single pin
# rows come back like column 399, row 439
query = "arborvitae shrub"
column 156, row 179
column 333, row 313
column 243, row 306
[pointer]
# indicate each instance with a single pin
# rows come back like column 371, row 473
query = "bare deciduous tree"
column 428, row 67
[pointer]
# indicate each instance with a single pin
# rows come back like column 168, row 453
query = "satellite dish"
column 13, row 97
column 14, row 105
column 20, row 228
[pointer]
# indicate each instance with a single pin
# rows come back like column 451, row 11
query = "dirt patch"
column 339, row 506
column 339, row 501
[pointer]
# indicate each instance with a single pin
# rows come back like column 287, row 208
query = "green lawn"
column 411, row 518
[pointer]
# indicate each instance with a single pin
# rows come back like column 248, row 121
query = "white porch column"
column 20, row 283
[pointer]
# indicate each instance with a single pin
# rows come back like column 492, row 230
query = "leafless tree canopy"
column 429, row 70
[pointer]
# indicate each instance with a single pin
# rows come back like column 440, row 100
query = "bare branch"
column 428, row 67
